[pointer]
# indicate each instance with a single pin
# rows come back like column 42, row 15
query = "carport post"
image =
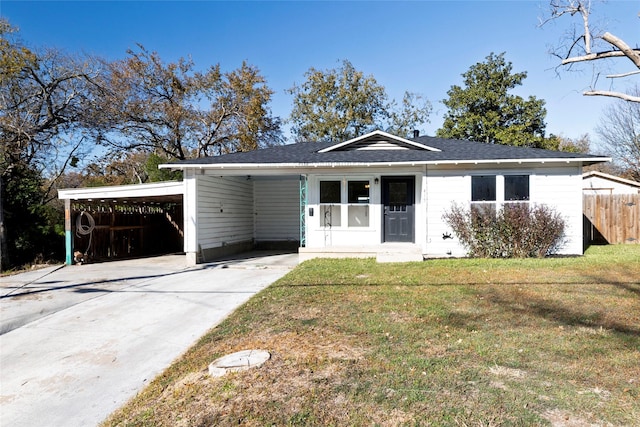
column 68, row 242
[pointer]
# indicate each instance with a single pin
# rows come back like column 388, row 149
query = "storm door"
column 398, row 209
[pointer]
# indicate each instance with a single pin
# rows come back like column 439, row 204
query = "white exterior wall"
column 225, row 211
column 558, row 188
column 561, row 189
column 594, row 185
column 444, row 188
column 277, row 209
column 318, row 236
column 190, row 207
column 218, row 212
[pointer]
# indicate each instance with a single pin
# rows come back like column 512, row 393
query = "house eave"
column 288, row 166
column 159, row 189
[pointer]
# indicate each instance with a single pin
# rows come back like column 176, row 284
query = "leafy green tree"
column 582, row 144
column 342, row 103
column 176, row 112
column 155, row 174
column 484, row 110
column 34, row 229
column 413, row 112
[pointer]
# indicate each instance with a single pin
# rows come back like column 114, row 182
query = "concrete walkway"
column 79, row 341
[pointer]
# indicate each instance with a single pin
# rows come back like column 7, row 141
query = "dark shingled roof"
column 307, row 153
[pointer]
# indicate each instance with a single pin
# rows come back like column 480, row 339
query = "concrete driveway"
column 78, row 341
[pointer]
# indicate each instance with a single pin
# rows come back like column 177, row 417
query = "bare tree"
column 171, row 110
column 43, row 112
column 44, row 99
column 585, row 43
column 619, row 130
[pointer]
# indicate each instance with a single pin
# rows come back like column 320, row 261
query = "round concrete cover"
column 238, row 361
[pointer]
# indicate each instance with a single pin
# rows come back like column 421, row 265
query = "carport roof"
column 384, row 149
column 167, row 191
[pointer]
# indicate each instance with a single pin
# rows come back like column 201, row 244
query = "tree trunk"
column 4, row 253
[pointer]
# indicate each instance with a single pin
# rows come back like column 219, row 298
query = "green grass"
column 462, row 342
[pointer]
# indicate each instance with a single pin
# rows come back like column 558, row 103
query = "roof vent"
column 416, row 133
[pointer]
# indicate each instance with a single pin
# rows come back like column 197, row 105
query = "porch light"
column 376, row 181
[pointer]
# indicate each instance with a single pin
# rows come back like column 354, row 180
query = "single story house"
column 375, row 195
column 596, row 183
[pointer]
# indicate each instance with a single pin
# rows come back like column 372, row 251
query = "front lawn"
column 459, row 342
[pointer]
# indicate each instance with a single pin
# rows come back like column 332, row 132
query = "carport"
column 125, row 221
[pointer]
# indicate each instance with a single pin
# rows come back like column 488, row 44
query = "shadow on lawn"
column 626, row 278
column 565, row 313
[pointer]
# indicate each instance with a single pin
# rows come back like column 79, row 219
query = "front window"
column 330, row 198
column 354, row 195
column 358, row 199
column 483, row 188
column 487, row 192
column 516, row 188
column 483, row 195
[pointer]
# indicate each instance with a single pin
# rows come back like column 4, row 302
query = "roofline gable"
column 380, row 134
column 610, row 178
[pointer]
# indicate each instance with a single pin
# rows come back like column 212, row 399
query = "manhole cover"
column 238, row 361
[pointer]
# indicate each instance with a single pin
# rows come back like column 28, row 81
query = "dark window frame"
column 517, row 188
column 356, row 190
column 328, row 195
column 483, row 188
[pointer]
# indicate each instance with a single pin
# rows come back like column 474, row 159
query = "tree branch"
column 632, row 54
column 594, row 56
column 617, row 76
column 619, row 95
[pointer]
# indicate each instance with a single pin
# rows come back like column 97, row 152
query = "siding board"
column 277, row 210
column 225, row 207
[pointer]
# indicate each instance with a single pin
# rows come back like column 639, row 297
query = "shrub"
column 516, row 230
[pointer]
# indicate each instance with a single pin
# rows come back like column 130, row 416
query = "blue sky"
column 420, row 46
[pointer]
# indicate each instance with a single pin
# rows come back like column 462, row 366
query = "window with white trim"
column 354, row 194
column 330, row 199
column 516, row 188
column 484, row 191
column 358, row 203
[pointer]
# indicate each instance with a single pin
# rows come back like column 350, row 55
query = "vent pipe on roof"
column 416, row 133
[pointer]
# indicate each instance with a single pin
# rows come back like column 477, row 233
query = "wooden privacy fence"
column 612, row 218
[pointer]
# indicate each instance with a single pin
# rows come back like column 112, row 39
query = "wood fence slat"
column 614, row 217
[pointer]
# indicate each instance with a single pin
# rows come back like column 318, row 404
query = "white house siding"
column 318, row 236
column 277, row 209
column 444, row 188
column 190, row 217
column 595, row 185
column 559, row 188
column 224, row 213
